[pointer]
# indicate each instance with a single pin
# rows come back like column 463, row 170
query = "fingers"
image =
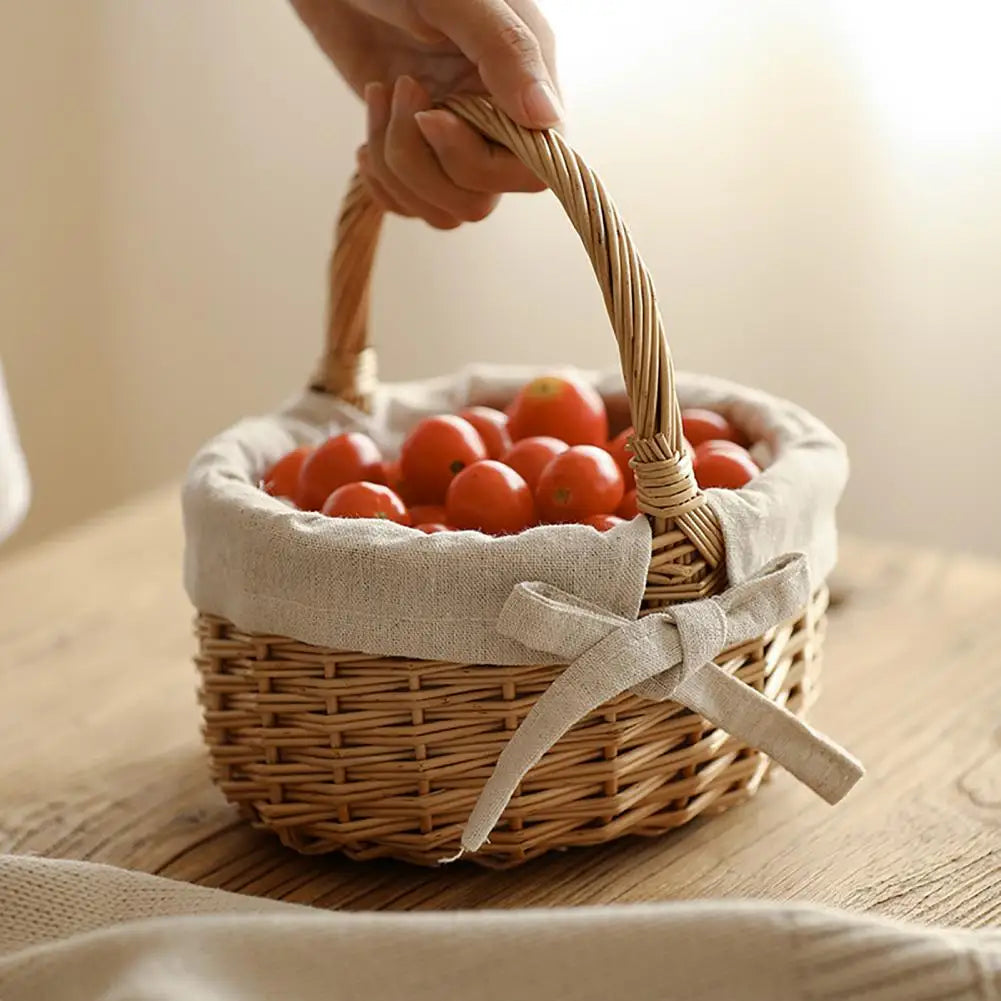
column 405, row 175
column 512, row 59
column 469, row 160
column 412, row 160
column 427, row 163
column 399, row 196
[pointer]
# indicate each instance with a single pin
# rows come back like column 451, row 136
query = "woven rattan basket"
column 385, row 756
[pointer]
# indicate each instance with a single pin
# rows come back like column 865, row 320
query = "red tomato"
column 437, row 450
column 346, row 458
column 492, row 427
column 492, row 498
column 582, row 481
column 603, row 522
column 530, row 456
column 628, row 509
column 618, row 451
column 724, row 467
column 559, row 407
column 392, row 476
column 421, row 514
column 718, row 445
column 282, row 479
column 366, row 500
column 703, row 425
column 432, row 527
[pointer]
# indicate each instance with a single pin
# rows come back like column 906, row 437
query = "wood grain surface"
column 100, row 755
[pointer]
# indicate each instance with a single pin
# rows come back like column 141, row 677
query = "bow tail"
column 587, row 684
column 744, row 713
column 733, row 706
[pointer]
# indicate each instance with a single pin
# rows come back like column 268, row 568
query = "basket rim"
column 219, row 498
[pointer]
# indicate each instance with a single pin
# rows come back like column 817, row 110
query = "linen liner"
column 380, row 588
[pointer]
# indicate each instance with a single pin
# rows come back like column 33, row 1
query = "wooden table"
column 100, row 756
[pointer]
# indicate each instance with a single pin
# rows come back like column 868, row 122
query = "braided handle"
column 687, row 560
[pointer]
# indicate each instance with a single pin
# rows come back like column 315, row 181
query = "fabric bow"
column 665, row 655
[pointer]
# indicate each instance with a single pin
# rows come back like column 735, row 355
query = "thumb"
column 507, row 53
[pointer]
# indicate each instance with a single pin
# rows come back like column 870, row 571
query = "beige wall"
column 820, row 222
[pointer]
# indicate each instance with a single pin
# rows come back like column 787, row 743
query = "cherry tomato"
column 346, row 458
column 582, row 481
column 438, row 449
column 618, row 451
column 432, row 527
column 530, row 456
column 282, row 479
column 366, row 500
column 492, row 427
column 421, row 514
column 718, row 445
column 603, row 522
column 559, row 407
column 392, row 476
column 724, row 468
column 628, row 510
column 492, row 498
column 703, row 425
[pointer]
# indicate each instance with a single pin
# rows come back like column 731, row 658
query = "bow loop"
column 543, row 617
column 778, row 591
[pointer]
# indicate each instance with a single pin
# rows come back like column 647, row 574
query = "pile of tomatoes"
column 547, row 459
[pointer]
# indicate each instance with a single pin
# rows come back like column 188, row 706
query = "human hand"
column 401, row 56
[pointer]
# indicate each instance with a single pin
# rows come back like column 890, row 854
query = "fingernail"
column 430, row 123
column 542, row 104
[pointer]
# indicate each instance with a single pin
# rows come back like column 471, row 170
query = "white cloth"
column 15, row 492
column 379, row 588
column 72, row 931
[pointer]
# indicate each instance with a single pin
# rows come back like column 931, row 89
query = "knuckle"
column 516, row 39
column 412, row 17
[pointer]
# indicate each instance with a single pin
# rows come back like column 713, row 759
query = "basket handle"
column 687, row 561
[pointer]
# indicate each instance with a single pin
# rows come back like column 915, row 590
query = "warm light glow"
column 600, row 41
column 932, row 68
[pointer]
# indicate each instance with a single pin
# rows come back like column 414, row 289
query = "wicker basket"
column 385, row 756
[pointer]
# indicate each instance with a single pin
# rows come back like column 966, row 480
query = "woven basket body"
column 385, row 756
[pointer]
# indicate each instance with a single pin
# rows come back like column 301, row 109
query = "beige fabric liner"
column 380, row 588
column 74, row 931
